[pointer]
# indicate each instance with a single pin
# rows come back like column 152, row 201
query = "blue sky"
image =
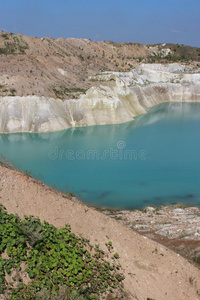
column 142, row 21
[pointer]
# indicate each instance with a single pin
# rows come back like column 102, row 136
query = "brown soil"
column 61, row 68
column 151, row 270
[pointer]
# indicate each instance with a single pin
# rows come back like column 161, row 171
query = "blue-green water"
column 154, row 159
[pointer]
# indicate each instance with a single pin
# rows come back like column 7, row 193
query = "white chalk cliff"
column 117, row 99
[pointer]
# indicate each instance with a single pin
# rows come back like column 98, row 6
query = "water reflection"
column 169, row 112
column 170, row 172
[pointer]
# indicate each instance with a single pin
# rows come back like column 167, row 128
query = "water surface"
column 152, row 160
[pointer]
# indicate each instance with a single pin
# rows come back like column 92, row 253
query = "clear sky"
column 142, row 21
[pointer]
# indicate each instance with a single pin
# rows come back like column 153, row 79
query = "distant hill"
column 60, row 68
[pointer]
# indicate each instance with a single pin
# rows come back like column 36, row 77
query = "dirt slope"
column 151, row 270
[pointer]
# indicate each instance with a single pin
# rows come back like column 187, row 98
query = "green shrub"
column 54, row 258
column 4, row 35
column 28, row 292
column 81, row 56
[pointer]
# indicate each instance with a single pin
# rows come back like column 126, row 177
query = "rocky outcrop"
column 100, row 105
column 117, row 98
column 155, row 83
column 170, row 221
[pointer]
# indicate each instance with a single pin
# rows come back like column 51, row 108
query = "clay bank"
column 115, row 98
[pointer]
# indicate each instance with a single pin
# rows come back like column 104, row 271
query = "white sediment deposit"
column 170, row 221
column 116, row 98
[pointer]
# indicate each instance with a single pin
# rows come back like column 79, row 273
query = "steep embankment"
column 115, row 98
column 151, row 270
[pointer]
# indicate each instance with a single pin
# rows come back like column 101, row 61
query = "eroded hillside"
column 61, row 68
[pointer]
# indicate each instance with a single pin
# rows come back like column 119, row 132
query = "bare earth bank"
column 176, row 226
column 150, row 269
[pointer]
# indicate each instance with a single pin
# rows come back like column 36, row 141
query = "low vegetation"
column 178, row 53
column 61, row 92
column 13, row 44
column 58, row 264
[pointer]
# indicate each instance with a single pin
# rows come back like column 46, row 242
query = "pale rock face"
column 157, row 51
column 32, row 114
column 61, row 71
column 118, row 98
column 106, row 104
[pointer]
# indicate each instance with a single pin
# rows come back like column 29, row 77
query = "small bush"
column 58, row 263
column 4, row 35
column 81, row 56
column 69, row 195
column 13, row 91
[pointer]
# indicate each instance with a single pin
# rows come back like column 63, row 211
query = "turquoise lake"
column 152, row 160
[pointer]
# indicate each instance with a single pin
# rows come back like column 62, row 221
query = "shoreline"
column 113, row 210
column 92, row 125
column 9, row 165
column 169, row 225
